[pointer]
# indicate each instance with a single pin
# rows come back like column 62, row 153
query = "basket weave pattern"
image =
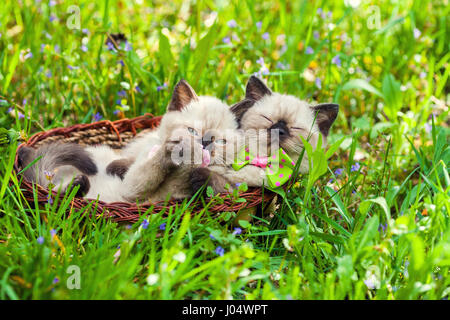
column 115, row 134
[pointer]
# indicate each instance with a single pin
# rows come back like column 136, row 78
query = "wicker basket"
column 116, row 134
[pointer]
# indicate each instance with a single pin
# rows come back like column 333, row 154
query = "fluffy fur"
column 271, row 119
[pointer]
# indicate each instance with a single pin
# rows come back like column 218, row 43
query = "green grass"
column 378, row 230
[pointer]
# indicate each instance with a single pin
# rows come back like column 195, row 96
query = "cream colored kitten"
column 272, row 119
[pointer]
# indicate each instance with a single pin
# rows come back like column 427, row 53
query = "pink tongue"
column 206, row 158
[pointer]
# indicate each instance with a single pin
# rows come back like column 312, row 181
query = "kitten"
column 195, row 132
column 203, row 126
column 277, row 120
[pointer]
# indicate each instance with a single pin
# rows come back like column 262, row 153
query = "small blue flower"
column 97, row 117
column 138, row 89
column 338, row 172
column 121, row 63
column 145, row 224
column 159, row 88
column 40, row 240
column 128, row 46
column 56, row 280
column 232, row 23
column 84, row 48
column 316, row 35
column 212, row 237
column 53, row 232
column 226, row 40
column 122, row 93
column 85, row 31
column 220, row 251
column 355, row 167
column 309, row 50
column 265, row 35
column 259, row 24
column 237, row 230
column 162, row 226
column 336, row 60
column 318, row 83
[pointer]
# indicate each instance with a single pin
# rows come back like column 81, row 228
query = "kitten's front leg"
column 147, row 173
column 253, row 176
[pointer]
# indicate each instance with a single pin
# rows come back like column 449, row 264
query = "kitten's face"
column 205, row 121
column 282, row 119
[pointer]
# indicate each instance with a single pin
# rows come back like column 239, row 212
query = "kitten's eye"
column 192, row 131
column 221, row 141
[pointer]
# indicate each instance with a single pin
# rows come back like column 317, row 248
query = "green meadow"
column 370, row 220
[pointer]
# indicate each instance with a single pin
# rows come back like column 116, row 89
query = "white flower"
column 180, row 257
column 152, row 278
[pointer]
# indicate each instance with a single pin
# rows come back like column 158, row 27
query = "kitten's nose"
column 206, row 142
column 282, row 128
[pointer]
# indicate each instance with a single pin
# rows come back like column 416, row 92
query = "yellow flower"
column 313, row 64
column 379, row 59
column 367, row 60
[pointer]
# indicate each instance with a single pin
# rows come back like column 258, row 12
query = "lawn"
column 373, row 224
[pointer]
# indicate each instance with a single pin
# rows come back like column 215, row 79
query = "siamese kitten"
column 194, row 132
column 275, row 118
column 203, row 128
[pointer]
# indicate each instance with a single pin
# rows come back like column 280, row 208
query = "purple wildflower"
column 52, row 3
column 40, row 240
column 85, row 31
column 110, row 46
column 57, row 48
column 122, row 93
column 56, row 280
column 417, row 33
column 309, row 50
column 52, row 18
column 265, row 35
column 336, row 60
column 159, row 88
column 259, row 24
column 162, row 226
column 226, row 40
column 232, row 23
column 50, row 199
column 220, row 251
column 97, row 117
column 318, row 83
column 338, row 172
column 121, row 62
column 212, row 237
column 138, row 89
column 428, row 127
column 355, row 167
column 116, row 112
column 28, row 56
column 53, row 232
column 145, row 224
column 238, row 184
column 128, row 46
column 84, row 48
column 316, row 35
column 260, row 61
column 48, row 74
column 237, row 230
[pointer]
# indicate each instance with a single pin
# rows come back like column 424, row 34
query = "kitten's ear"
column 326, row 114
column 240, row 108
column 182, row 95
column 256, row 89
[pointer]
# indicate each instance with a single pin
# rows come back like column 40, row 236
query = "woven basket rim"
column 126, row 211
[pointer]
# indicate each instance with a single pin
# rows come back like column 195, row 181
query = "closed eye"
column 267, row 118
column 297, row 128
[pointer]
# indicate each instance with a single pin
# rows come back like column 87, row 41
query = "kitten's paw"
column 184, row 151
column 83, row 182
column 119, row 167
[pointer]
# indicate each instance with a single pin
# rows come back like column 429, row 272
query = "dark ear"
column 183, row 94
column 326, row 114
column 240, row 108
column 256, row 89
